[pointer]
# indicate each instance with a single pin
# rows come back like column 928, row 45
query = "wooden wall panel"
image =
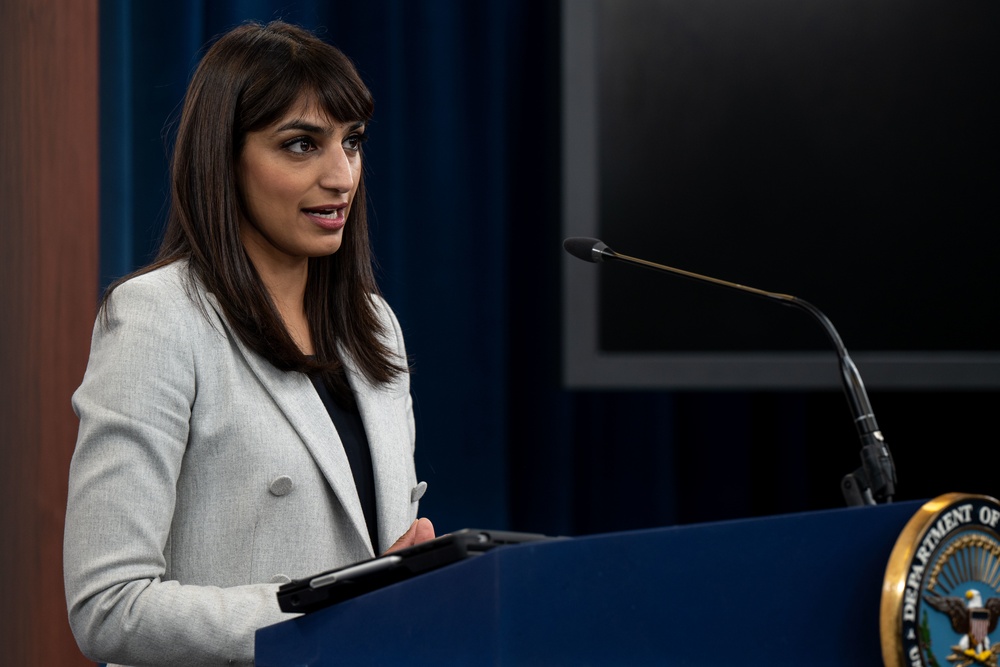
column 48, row 292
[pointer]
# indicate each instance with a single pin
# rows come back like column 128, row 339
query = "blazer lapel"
column 297, row 399
column 385, row 412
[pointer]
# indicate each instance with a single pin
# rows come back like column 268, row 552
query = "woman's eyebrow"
column 304, row 126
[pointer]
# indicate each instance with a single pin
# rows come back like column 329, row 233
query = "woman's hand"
column 419, row 531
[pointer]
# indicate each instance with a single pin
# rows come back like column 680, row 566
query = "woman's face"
column 298, row 178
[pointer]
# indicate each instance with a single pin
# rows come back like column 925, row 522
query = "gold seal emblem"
column 941, row 592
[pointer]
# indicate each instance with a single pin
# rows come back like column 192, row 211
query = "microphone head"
column 587, row 249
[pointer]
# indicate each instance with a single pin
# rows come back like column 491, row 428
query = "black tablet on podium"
column 327, row 588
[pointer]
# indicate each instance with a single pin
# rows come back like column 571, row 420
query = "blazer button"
column 280, row 485
column 417, row 492
column 280, row 579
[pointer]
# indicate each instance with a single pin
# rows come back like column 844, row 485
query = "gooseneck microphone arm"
column 875, row 480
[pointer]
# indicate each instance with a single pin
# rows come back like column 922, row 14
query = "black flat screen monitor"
column 846, row 152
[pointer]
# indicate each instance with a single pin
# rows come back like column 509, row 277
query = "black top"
column 352, row 434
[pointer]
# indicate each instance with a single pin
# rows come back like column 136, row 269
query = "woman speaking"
column 245, row 416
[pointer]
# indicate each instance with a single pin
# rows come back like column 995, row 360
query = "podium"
column 797, row 589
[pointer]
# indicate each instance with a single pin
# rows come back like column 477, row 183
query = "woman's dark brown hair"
column 248, row 79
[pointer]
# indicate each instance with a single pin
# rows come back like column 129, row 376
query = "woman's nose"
column 338, row 171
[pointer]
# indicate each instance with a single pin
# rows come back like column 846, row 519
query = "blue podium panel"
column 801, row 589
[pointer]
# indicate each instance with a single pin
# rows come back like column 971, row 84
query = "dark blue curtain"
column 463, row 171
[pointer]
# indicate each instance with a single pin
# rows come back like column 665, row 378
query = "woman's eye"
column 300, row 145
column 354, row 141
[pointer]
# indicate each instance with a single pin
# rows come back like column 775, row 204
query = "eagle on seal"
column 971, row 619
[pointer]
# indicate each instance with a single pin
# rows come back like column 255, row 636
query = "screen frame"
column 587, row 366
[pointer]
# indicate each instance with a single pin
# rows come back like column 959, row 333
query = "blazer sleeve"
column 134, row 406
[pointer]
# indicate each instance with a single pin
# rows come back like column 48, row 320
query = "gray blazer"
column 203, row 478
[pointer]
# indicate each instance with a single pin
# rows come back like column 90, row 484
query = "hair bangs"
column 288, row 69
column 344, row 98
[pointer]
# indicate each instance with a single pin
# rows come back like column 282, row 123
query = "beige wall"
column 48, row 292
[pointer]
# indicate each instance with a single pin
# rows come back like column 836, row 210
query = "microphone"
column 875, row 480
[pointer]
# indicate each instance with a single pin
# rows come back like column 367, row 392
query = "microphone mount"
column 872, row 483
